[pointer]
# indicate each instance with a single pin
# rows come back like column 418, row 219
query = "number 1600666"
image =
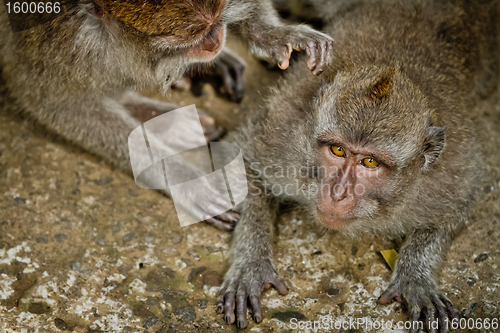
column 33, row 7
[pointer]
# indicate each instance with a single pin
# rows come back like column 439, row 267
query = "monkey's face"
column 349, row 181
column 370, row 153
column 192, row 29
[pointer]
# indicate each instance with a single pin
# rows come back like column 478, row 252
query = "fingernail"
column 227, row 319
column 319, row 72
column 257, row 319
column 241, row 323
column 219, row 308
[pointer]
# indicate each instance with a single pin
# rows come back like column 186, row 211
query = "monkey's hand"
column 276, row 44
column 244, row 283
column 205, row 202
column 225, row 75
column 181, row 129
column 422, row 299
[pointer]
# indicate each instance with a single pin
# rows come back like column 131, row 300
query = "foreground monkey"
column 74, row 75
column 388, row 140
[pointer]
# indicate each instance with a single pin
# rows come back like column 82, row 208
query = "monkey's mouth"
column 210, row 45
column 333, row 221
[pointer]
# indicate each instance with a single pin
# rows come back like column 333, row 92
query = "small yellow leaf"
column 390, row 257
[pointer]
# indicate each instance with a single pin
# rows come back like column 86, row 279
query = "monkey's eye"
column 339, row 151
column 370, row 162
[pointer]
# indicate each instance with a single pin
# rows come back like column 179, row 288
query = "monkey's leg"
column 144, row 109
column 413, row 281
column 103, row 129
column 225, row 75
column 252, row 269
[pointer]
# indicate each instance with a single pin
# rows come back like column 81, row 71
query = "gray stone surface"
column 83, row 249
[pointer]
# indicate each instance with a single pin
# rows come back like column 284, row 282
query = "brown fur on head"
column 181, row 19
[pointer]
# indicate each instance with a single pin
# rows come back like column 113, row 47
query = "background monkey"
column 74, row 74
column 388, row 142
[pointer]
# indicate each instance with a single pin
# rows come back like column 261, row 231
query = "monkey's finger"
column 212, row 208
column 228, row 86
column 229, row 307
column 415, row 316
column 213, row 133
column 210, row 129
column 229, row 216
column 324, row 47
column 230, row 68
column 239, row 85
column 283, row 59
column 283, row 63
column 279, row 285
column 218, row 205
column 313, row 56
column 442, row 315
column 198, row 212
column 451, row 309
column 241, row 310
column 220, row 300
column 219, row 224
column 231, row 72
column 206, row 120
column 256, row 308
column 388, row 295
column 430, row 315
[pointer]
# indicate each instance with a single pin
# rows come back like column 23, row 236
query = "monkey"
column 78, row 75
column 388, row 141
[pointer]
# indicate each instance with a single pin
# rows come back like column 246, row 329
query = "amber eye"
column 339, row 151
column 370, row 163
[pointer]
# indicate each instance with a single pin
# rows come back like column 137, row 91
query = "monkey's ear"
column 435, row 142
column 382, row 88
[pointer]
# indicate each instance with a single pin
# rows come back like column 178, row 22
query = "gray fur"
column 441, row 57
column 73, row 74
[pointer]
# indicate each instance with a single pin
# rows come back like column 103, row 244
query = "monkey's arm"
column 103, row 126
column 252, row 269
column 270, row 39
column 413, row 281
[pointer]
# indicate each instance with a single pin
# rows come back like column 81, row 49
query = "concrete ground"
column 83, row 249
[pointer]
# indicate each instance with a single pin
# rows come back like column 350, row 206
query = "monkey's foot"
column 278, row 46
column 225, row 75
column 245, row 284
column 423, row 300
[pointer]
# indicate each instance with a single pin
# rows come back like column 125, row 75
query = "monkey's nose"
column 344, row 206
column 214, row 40
column 339, row 192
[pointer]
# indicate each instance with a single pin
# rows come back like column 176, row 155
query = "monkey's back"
column 441, row 43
